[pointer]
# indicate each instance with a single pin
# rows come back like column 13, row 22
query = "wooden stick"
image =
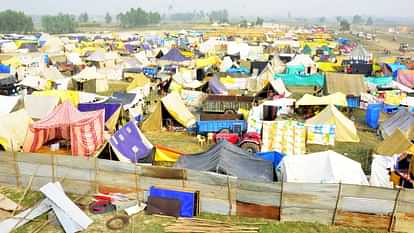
column 394, row 211
column 338, row 197
column 281, row 199
column 28, row 187
column 229, row 196
column 16, row 167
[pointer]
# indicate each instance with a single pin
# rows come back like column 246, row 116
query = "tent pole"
column 338, row 197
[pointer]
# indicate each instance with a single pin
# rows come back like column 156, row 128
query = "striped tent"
column 85, row 131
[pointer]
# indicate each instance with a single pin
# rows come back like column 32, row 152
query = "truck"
column 249, row 142
column 220, row 126
column 227, row 104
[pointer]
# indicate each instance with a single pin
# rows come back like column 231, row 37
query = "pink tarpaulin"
column 406, row 77
column 84, row 130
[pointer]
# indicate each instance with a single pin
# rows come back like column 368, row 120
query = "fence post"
column 281, row 199
column 229, row 195
column 338, row 197
column 95, row 181
column 394, row 211
column 16, row 166
column 52, row 163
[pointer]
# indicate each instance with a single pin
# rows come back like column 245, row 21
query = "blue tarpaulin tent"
column 302, row 80
column 175, row 55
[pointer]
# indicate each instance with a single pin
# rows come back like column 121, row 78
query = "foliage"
column 357, row 19
column 62, row 23
column 370, row 21
column 108, row 18
column 188, row 16
column 344, row 25
column 322, row 19
column 259, row 21
column 220, row 16
column 14, row 21
column 83, row 18
column 339, row 19
column 138, row 17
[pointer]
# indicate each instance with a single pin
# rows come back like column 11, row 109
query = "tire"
column 225, row 130
column 229, row 111
column 250, row 147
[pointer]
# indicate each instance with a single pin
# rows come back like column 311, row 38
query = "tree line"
column 138, row 17
column 15, row 22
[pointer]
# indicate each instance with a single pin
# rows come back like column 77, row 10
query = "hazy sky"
column 314, row 8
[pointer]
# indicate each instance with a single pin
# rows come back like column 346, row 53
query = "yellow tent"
column 72, row 96
column 328, row 66
column 337, row 99
column 395, row 144
column 213, row 60
column 13, row 62
column 345, row 130
column 164, row 154
column 13, row 129
column 140, row 80
column 154, row 121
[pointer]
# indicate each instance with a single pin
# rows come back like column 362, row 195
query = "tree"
column 83, row 18
column 108, row 18
column 15, row 22
column 338, row 19
column 62, row 23
column 357, row 19
column 345, row 25
column 220, row 16
column 370, row 21
column 259, row 21
column 322, row 20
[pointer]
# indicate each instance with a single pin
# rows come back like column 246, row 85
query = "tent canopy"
column 13, row 129
column 396, row 143
column 403, row 120
column 322, row 167
column 348, row 84
column 7, row 103
column 337, row 99
column 175, row 55
column 345, row 129
column 83, row 130
column 231, row 160
column 39, row 106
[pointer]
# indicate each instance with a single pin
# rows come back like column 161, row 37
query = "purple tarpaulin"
column 130, row 144
column 174, row 55
column 216, row 86
column 110, row 108
column 406, row 77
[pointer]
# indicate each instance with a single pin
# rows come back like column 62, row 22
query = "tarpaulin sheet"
column 379, row 81
column 187, row 199
column 302, row 80
column 216, row 86
column 231, row 160
column 130, row 144
column 110, row 108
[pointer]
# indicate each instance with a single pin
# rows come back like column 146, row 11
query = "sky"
column 264, row 8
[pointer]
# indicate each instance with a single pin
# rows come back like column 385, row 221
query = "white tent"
column 7, row 103
column 322, row 167
column 301, row 59
column 40, row 106
column 13, row 129
column 379, row 170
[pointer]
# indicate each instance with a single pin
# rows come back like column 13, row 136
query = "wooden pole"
column 229, row 196
column 52, row 163
column 281, row 199
column 96, row 185
column 394, row 211
column 16, row 167
column 338, row 197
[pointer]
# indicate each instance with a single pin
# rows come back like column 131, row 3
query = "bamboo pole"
column 394, row 211
column 338, row 197
column 16, row 167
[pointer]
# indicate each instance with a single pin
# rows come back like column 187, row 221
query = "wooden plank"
column 7, row 167
column 215, row 206
column 312, row 196
column 146, row 182
column 368, row 192
column 211, row 191
column 405, row 207
column 257, row 211
column 404, row 223
column 407, row 195
column 123, row 180
column 115, row 166
column 295, row 214
column 163, row 172
column 6, row 156
column 75, row 162
column 210, row 178
column 27, row 168
column 362, row 220
column 258, row 186
column 75, row 173
column 364, row 205
column 259, row 198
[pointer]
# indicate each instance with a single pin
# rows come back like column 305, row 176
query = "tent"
column 348, row 84
column 380, row 170
column 13, row 129
column 402, row 120
column 39, row 107
column 302, row 80
column 322, row 167
column 396, row 143
column 337, row 99
column 406, row 77
column 345, row 129
column 85, row 131
column 8, row 103
column 216, row 86
column 231, row 160
column 175, row 55
column 140, row 81
column 164, row 154
column 112, row 112
column 305, row 61
column 175, row 108
column 72, row 96
column 129, row 144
